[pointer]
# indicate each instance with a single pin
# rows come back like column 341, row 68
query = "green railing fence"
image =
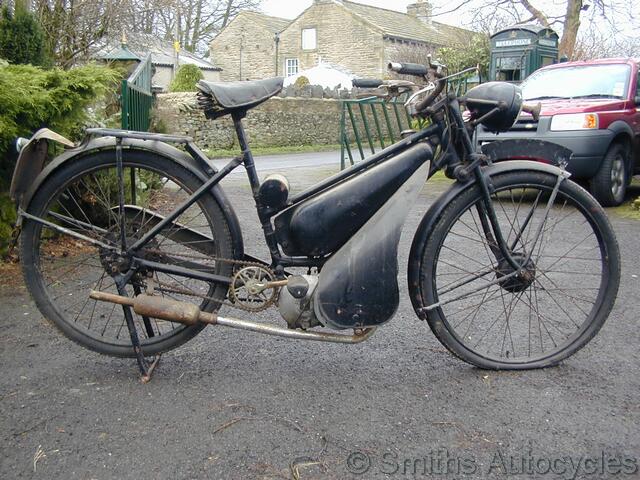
column 372, row 123
column 369, row 124
column 137, row 98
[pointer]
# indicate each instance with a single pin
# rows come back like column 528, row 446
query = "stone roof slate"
column 403, row 26
column 274, row 24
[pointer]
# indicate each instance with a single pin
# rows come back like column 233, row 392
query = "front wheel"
column 545, row 313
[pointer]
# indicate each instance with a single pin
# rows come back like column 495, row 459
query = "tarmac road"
column 234, row 405
column 284, row 162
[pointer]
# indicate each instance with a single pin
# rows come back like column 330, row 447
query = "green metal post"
column 124, row 120
column 366, row 127
column 377, row 122
column 355, row 130
column 343, row 134
column 388, row 122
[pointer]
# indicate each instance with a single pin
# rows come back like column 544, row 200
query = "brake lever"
column 429, row 87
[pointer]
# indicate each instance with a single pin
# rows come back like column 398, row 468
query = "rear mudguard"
column 430, row 219
column 90, row 147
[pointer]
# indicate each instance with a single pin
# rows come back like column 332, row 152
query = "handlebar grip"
column 534, row 110
column 367, row 82
column 408, row 68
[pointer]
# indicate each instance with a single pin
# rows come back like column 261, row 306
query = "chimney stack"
column 422, row 10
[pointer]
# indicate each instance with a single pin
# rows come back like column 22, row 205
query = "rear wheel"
column 553, row 306
column 60, row 270
column 609, row 186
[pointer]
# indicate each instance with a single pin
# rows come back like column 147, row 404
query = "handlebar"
column 408, row 68
column 367, row 82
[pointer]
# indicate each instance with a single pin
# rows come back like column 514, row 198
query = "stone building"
column 246, row 47
column 356, row 37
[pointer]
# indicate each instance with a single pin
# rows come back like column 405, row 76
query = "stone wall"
column 278, row 122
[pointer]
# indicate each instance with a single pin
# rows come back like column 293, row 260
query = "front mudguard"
column 29, row 174
column 430, row 219
column 527, row 149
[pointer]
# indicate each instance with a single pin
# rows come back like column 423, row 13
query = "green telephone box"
column 518, row 51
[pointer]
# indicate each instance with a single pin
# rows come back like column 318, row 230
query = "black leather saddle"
column 218, row 99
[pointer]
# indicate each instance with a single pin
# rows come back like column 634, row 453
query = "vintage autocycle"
column 130, row 246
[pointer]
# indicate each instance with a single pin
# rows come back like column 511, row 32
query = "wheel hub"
column 521, row 280
column 115, row 263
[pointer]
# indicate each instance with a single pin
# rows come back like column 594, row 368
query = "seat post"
column 247, row 156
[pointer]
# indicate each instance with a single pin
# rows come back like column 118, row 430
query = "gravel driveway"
column 235, row 405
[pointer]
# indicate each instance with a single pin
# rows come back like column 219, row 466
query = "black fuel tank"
column 323, row 223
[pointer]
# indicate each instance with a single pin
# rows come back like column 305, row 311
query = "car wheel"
column 610, row 183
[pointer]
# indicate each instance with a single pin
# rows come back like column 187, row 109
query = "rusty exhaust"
column 189, row 314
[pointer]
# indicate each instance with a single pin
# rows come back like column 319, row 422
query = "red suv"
column 590, row 108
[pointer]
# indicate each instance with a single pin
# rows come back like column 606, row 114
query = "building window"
column 291, row 66
column 309, row 39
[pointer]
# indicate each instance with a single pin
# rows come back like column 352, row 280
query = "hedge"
column 32, row 98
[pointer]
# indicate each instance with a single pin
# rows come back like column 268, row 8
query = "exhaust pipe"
column 188, row 314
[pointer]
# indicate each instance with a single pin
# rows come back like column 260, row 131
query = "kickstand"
column 146, row 368
column 146, row 377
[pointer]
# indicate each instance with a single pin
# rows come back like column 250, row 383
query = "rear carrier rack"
column 119, row 133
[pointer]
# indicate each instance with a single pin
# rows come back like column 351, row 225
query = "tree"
column 186, row 79
column 468, row 53
column 194, row 23
column 73, row 28
column 76, row 28
column 568, row 16
column 21, row 39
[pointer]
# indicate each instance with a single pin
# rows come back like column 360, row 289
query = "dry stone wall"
column 277, row 122
column 311, row 117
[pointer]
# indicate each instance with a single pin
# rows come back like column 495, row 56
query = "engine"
column 296, row 302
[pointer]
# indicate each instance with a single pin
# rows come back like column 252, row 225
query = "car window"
column 580, row 81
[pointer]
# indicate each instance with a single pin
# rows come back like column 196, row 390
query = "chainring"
column 237, row 301
column 248, row 290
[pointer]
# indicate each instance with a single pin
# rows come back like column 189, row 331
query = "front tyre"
column 534, row 320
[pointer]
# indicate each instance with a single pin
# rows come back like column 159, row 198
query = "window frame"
column 315, row 39
column 287, row 66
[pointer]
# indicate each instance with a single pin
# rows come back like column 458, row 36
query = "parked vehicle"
column 130, row 246
column 590, row 107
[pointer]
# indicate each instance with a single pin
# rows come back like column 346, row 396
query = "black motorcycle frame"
column 436, row 133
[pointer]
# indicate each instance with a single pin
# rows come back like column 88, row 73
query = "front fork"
column 491, row 226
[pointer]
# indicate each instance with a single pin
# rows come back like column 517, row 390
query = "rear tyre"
column 60, row 269
column 533, row 320
column 609, row 186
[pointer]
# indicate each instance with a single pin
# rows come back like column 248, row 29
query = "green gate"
column 369, row 124
column 137, row 98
